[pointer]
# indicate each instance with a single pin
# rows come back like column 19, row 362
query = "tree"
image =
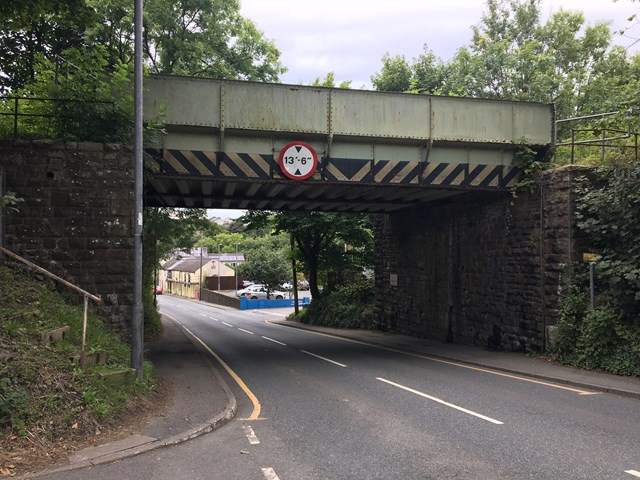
column 395, row 75
column 330, row 81
column 267, row 267
column 164, row 230
column 37, row 27
column 322, row 239
column 428, row 73
column 207, row 38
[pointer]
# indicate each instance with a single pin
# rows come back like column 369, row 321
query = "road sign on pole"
column 298, row 160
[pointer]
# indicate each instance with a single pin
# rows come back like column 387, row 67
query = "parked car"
column 241, row 292
column 261, row 294
column 157, row 290
column 246, row 283
column 286, row 286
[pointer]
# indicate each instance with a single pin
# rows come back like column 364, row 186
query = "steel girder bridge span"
column 244, row 145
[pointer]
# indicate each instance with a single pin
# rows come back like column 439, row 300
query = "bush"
column 598, row 338
column 349, row 306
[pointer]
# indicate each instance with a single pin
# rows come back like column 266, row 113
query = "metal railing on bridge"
column 616, row 144
column 49, row 117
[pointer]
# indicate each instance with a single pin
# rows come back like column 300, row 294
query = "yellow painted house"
column 183, row 276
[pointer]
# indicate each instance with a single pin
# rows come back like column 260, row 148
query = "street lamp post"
column 236, row 286
column 200, row 294
column 219, row 246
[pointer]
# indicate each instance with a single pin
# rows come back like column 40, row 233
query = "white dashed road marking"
column 248, row 431
column 245, row 331
column 227, row 324
column 323, row 358
column 275, row 341
column 470, row 412
column 270, row 474
column 635, row 473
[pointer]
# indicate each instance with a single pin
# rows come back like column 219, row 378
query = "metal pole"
column 200, row 294
column 137, row 320
column 84, row 328
column 236, row 284
column 219, row 266
column 295, row 276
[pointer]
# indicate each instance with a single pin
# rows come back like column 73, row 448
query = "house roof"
column 190, row 265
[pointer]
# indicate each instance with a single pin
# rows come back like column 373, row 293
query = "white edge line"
column 470, row 412
column 635, row 473
column 270, row 474
column 323, row 358
column 275, row 341
column 245, row 331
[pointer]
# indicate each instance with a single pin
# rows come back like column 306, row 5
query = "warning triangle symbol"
column 298, row 148
column 298, row 174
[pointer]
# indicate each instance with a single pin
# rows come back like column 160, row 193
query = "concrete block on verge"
column 55, row 335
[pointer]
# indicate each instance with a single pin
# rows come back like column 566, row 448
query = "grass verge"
column 50, row 404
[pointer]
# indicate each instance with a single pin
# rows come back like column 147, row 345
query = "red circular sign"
column 298, row 160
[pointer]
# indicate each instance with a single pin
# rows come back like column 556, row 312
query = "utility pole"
column 137, row 336
column 200, row 283
column 236, row 284
column 219, row 246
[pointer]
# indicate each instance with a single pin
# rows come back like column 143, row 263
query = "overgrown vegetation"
column 47, row 399
column 348, row 306
column 607, row 337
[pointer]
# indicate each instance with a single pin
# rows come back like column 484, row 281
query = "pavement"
column 203, row 402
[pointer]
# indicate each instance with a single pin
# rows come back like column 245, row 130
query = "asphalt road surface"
column 312, row 406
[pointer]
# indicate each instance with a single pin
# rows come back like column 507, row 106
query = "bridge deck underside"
column 197, row 179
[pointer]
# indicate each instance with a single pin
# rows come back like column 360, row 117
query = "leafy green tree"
column 266, row 266
column 428, row 73
column 395, row 75
column 611, row 218
column 37, row 27
column 164, row 230
column 88, row 102
column 324, row 241
column 330, row 81
column 207, row 38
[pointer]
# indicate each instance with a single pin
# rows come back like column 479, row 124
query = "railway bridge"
column 457, row 257
column 375, row 152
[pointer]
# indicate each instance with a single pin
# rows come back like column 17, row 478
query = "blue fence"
column 246, row 304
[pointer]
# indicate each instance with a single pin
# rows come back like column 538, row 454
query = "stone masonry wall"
column 76, row 220
column 483, row 269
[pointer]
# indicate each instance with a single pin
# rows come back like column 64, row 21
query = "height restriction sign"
column 298, row 160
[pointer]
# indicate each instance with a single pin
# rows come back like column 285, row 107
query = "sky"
column 349, row 37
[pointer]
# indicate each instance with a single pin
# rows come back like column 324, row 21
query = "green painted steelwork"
column 234, row 116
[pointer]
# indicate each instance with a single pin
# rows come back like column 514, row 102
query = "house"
column 183, row 276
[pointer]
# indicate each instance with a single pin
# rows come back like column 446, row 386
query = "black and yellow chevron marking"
column 348, row 170
column 470, row 176
column 248, row 165
column 185, row 162
column 396, row 172
column 384, row 172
